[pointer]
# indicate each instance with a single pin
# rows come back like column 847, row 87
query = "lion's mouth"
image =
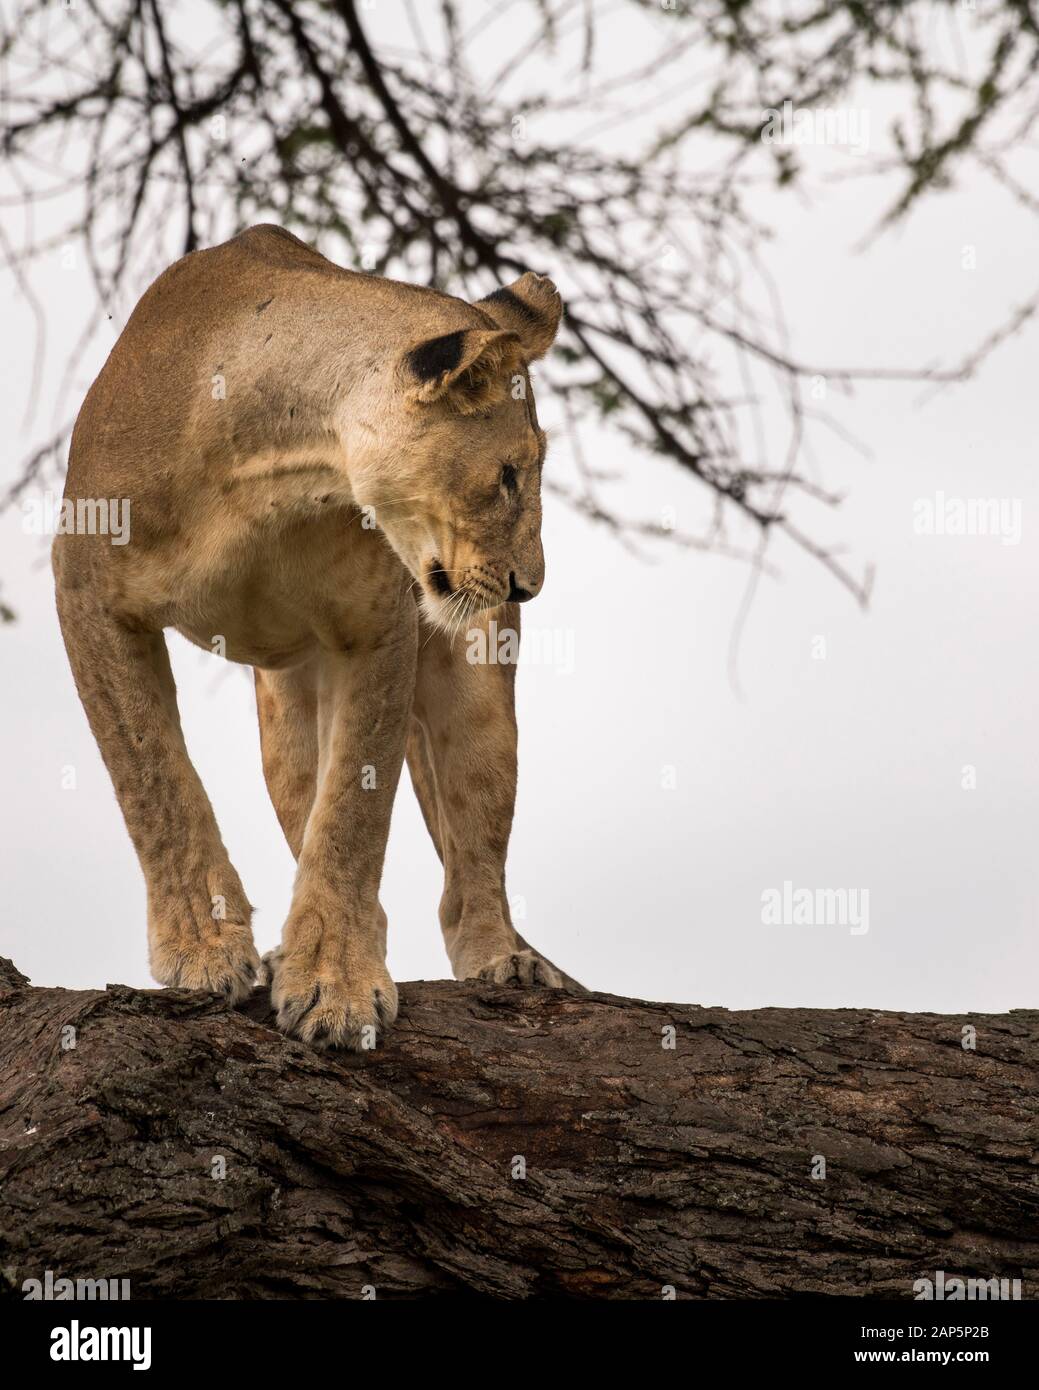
column 438, row 579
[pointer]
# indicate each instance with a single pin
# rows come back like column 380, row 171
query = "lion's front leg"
column 199, row 934
column 329, row 981
column 462, row 756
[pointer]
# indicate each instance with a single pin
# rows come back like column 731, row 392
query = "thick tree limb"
column 645, row 1166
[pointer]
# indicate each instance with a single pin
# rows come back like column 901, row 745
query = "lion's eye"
column 509, row 479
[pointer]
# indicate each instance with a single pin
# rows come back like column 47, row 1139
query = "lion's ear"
column 468, row 368
column 531, row 307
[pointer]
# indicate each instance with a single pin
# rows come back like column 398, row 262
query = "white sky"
column 837, row 773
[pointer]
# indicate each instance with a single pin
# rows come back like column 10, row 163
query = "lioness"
column 331, row 476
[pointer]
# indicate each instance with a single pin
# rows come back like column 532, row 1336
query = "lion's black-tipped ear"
column 468, row 368
column 530, row 307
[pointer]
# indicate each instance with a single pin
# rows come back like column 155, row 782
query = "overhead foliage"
column 167, row 126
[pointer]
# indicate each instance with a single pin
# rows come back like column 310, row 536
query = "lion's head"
column 453, row 472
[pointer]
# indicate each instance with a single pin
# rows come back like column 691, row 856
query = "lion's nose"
column 517, row 594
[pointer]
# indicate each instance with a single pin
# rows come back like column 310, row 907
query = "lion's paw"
column 330, row 1009
column 526, row 967
column 225, row 962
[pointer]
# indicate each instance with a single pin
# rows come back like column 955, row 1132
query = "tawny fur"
column 301, row 500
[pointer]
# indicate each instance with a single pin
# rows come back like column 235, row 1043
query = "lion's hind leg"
column 286, row 706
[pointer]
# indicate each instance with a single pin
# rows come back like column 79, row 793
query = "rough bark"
column 646, row 1166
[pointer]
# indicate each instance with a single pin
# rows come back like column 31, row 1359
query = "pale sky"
column 658, row 805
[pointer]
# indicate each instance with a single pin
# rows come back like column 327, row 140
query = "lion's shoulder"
column 276, row 246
